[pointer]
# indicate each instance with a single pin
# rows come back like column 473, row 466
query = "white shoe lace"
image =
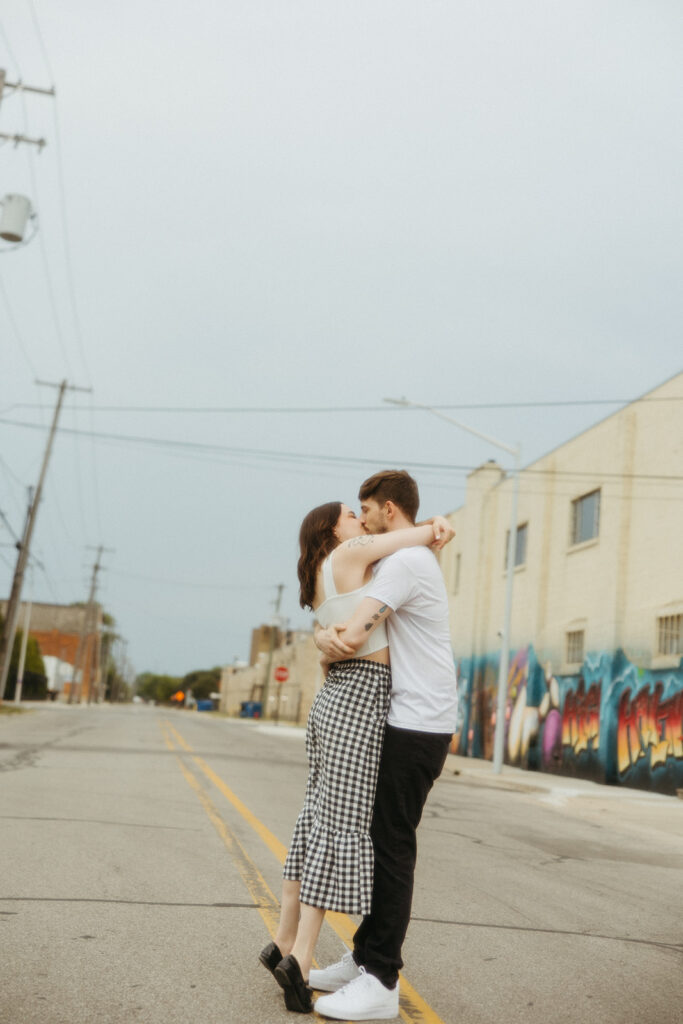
column 361, row 973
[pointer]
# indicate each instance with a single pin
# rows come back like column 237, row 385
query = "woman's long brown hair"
column 316, row 540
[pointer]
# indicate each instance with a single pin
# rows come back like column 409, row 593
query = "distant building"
column 290, row 700
column 595, row 686
column 58, row 628
column 261, row 639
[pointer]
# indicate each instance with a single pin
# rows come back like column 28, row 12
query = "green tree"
column 159, row 688
column 34, row 686
column 202, row 682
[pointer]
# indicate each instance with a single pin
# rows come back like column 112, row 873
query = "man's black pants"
column 410, row 763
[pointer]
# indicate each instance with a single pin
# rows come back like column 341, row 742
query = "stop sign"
column 282, row 673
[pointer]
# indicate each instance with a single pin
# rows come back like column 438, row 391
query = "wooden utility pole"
column 10, row 623
column 89, row 624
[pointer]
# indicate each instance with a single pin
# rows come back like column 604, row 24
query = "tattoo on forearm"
column 365, row 539
column 375, row 618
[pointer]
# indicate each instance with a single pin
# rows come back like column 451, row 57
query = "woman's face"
column 347, row 525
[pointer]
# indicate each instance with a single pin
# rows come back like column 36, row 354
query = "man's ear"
column 389, row 509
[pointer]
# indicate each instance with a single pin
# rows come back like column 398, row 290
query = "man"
column 408, row 591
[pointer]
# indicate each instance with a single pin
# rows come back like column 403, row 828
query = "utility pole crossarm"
column 30, row 88
column 16, row 139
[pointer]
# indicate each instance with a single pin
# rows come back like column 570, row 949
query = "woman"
column 330, row 862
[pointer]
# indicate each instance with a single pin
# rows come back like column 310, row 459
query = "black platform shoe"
column 270, row 956
column 298, row 996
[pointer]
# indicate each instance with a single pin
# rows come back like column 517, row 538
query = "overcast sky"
column 312, row 206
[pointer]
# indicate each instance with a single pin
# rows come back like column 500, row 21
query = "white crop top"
column 340, row 607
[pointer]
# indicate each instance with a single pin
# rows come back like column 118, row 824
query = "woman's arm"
column 343, row 640
column 370, row 547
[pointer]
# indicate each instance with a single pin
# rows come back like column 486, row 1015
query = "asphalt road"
column 141, row 861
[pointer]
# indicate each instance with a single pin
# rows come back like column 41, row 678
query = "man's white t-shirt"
column 424, row 694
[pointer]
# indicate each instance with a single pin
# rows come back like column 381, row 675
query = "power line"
column 78, row 459
column 204, row 448
column 34, row 182
column 66, row 240
column 48, row 580
column 15, row 330
column 41, row 41
column 8, row 473
column 9, row 526
column 185, row 583
column 354, row 409
column 8, row 47
column 68, row 262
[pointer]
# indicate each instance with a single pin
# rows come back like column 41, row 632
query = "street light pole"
column 271, row 650
column 504, row 663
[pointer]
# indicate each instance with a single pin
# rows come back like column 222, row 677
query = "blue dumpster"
column 250, row 709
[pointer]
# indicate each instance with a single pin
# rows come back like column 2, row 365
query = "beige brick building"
column 598, row 577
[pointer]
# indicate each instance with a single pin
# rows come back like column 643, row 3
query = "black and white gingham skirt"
column 331, row 851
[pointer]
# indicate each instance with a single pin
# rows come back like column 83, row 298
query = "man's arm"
column 329, row 642
column 365, row 621
column 342, row 641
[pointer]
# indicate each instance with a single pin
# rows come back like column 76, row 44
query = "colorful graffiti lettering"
column 648, row 723
column 581, row 718
column 614, row 722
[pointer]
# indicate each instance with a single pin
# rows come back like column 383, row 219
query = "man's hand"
column 443, row 532
column 331, row 644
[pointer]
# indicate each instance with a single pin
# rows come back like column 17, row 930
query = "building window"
column 585, row 517
column 456, row 574
column 520, row 546
column 670, row 634
column 575, row 647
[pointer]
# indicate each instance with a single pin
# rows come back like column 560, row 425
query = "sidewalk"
column 650, row 817
column 476, row 771
column 481, row 772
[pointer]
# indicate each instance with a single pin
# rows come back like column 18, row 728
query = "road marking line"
column 273, row 844
column 413, row 1007
column 266, row 902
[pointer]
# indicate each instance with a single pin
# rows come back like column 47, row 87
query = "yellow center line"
column 266, row 902
column 414, row 1008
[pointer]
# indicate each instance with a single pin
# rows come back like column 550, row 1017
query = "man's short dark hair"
column 393, row 485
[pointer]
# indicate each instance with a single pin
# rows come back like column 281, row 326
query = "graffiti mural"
column 613, row 722
column 649, row 726
column 581, row 718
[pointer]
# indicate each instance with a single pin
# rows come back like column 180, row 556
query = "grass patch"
column 11, row 709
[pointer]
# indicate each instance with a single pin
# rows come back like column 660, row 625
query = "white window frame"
column 670, row 636
column 522, row 530
column 574, row 540
column 571, row 646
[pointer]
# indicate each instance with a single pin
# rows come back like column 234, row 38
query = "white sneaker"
column 333, row 977
column 364, row 998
